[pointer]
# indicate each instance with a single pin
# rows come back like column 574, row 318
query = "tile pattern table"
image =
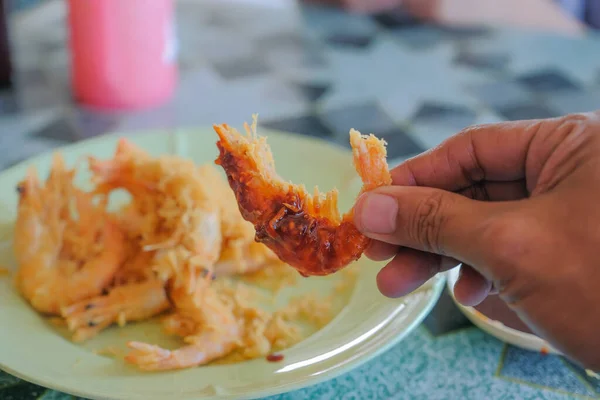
column 318, row 74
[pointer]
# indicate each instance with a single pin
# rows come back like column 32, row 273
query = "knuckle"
column 509, row 240
column 428, row 221
column 562, row 147
column 575, row 124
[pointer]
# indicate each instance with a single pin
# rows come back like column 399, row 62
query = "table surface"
column 318, row 73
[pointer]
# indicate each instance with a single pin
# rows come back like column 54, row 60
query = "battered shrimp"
column 241, row 257
column 208, row 326
column 68, row 248
column 127, row 303
column 171, row 206
column 138, row 266
column 305, row 231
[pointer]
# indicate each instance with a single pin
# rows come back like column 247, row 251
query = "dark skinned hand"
column 518, row 204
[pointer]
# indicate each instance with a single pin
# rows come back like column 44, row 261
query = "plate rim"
column 430, row 298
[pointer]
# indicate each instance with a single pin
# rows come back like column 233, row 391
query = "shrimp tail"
column 127, row 303
column 369, row 155
column 203, row 348
column 154, row 358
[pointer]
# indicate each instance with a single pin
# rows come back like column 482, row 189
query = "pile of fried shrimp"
column 170, row 251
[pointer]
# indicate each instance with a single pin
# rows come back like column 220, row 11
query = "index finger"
column 493, row 152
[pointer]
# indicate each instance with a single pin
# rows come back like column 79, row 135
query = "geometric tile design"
column 306, row 50
column 348, row 40
column 33, row 76
column 313, row 91
column 331, row 22
column 397, row 19
column 53, row 395
column 240, row 68
column 547, row 81
column 93, row 124
column 444, row 114
column 465, row 32
column 431, row 135
column 290, row 40
column 366, row 117
column 543, row 370
column 60, row 129
column 7, row 380
column 400, row 143
column 502, row 93
column 592, row 381
column 574, row 102
column 418, row 38
column 482, row 60
column 301, row 55
column 446, row 318
column 22, row 391
column 9, row 103
column 526, row 111
column 306, row 125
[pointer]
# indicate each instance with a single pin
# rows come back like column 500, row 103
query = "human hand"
column 517, row 204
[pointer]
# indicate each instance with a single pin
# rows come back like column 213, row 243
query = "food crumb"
column 274, row 277
column 4, row 271
column 592, row 374
column 274, row 357
column 481, row 316
column 544, row 351
column 109, row 352
column 121, row 319
column 57, row 321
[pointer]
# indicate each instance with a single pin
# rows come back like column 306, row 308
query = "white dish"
column 496, row 328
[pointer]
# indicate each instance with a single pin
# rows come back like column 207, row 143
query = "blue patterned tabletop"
column 317, row 73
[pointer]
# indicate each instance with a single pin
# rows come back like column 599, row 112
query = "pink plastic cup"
column 123, row 52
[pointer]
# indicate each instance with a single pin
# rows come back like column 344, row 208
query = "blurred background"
column 411, row 71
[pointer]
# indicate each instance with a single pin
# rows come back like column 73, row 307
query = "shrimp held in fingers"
column 306, row 231
column 127, row 303
column 67, row 247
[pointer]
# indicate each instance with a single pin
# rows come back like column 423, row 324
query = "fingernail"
column 377, row 214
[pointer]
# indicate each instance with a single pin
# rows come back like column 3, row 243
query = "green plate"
column 368, row 323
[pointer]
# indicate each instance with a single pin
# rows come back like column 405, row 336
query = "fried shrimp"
column 208, row 327
column 68, row 248
column 123, row 304
column 171, row 205
column 243, row 257
column 305, row 231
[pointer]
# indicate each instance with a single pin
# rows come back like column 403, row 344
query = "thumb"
column 431, row 220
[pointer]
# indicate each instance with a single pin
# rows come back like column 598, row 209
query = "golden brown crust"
column 304, row 231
